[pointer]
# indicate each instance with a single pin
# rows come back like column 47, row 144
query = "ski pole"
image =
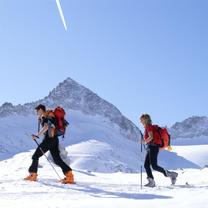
column 46, row 156
column 141, row 150
column 38, row 125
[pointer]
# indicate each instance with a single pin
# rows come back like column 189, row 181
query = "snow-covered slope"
column 190, row 139
column 96, row 134
column 97, row 189
column 99, row 139
column 193, row 127
column 91, row 119
column 104, row 156
column 75, row 97
column 93, row 142
column 197, row 154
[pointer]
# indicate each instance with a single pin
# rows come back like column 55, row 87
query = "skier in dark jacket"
column 49, row 143
column 152, row 140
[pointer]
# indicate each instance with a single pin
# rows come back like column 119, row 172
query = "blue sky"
column 141, row 55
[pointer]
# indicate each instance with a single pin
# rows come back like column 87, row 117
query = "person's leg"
column 33, row 169
column 69, row 179
column 55, row 153
column 44, row 146
column 150, row 178
column 153, row 159
column 147, row 165
column 154, row 150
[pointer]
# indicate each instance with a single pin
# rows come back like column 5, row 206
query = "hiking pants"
column 151, row 160
column 52, row 145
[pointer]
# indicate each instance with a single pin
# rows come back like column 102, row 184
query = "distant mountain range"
column 193, row 127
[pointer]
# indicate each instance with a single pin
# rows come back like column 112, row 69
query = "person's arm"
column 150, row 138
column 41, row 132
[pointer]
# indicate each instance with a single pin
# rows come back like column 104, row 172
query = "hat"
column 42, row 107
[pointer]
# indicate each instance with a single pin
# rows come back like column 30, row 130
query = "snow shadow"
column 174, row 161
column 101, row 193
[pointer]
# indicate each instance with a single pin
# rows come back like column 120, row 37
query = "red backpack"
column 164, row 136
column 61, row 122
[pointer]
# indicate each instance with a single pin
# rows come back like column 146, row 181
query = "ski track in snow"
column 97, row 189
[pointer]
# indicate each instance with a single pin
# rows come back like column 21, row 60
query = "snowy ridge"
column 193, row 127
column 104, row 157
column 91, row 138
column 99, row 138
column 73, row 96
column 93, row 144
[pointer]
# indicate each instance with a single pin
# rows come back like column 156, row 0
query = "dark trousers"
column 52, row 145
column 151, row 160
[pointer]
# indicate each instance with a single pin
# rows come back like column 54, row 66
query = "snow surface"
column 98, row 136
column 198, row 154
column 74, row 97
column 94, row 143
column 106, row 168
column 105, row 158
column 107, row 172
column 97, row 189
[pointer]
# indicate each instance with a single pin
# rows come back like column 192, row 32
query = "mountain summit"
column 73, row 96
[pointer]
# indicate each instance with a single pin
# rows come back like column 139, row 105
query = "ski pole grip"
column 35, row 136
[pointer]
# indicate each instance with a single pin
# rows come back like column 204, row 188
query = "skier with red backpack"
column 53, row 125
column 155, row 138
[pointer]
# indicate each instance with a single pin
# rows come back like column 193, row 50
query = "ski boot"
column 69, row 179
column 151, row 183
column 31, row 177
column 173, row 176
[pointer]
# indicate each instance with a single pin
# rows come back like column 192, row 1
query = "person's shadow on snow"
column 101, row 193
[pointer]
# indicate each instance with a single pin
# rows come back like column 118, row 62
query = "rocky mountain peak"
column 192, row 127
column 73, row 96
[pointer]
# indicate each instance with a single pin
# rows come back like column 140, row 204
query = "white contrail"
column 61, row 14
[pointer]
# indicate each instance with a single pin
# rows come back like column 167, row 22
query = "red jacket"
column 156, row 135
